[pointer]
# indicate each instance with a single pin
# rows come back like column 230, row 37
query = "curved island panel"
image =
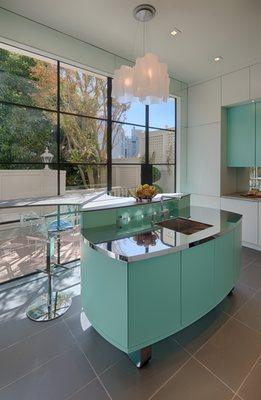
column 144, row 279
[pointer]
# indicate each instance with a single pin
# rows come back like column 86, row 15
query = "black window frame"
column 145, row 166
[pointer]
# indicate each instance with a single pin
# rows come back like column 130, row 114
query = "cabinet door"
column 197, row 281
column 241, row 136
column 249, row 211
column 224, row 265
column 238, row 251
column 258, row 134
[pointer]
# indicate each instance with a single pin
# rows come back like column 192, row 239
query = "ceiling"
column 230, row 28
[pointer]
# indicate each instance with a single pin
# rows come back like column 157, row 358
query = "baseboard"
column 251, row 246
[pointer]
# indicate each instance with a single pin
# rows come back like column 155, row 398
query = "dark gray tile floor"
column 218, row 357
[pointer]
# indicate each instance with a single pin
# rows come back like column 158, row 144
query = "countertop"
column 94, row 200
column 106, row 201
column 239, row 196
column 165, row 241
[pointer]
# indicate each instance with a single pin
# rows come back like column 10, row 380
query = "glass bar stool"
column 54, row 303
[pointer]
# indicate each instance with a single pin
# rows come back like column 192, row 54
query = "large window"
column 95, row 141
column 45, row 103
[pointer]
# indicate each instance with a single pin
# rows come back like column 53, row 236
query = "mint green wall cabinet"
column 224, row 265
column 197, row 282
column 241, row 136
column 258, row 134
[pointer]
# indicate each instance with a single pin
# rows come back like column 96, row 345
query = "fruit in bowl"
column 144, row 192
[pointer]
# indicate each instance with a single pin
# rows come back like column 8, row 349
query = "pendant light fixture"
column 148, row 80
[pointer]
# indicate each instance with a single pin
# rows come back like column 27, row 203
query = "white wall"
column 28, row 183
column 207, row 173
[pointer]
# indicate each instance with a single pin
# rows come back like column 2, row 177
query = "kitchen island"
column 150, row 270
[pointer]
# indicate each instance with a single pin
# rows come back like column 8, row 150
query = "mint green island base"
column 136, row 294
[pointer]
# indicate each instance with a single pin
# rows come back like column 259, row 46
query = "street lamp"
column 46, row 157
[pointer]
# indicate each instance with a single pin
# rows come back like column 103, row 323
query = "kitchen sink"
column 184, row 225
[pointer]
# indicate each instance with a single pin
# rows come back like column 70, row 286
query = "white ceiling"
column 230, row 28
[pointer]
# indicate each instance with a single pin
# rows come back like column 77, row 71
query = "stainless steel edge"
column 171, row 250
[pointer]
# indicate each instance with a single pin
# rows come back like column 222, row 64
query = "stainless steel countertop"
column 126, row 248
column 237, row 196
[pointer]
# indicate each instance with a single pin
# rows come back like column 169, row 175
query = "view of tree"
column 24, row 133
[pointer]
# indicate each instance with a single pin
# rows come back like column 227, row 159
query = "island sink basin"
column 184, row 225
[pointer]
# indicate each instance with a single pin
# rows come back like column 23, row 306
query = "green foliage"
column 156, row 175
column 24, row 132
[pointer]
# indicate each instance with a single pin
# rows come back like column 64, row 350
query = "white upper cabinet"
column 255, row 81
column 204, row 103
column 203, row 159
column 235, row 87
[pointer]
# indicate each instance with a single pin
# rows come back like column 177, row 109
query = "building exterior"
column 161, row 146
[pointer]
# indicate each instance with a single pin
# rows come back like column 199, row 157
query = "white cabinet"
column 203, row 158
column 255, row 81
column 249, row 210
column 235, row 87
column 199, row 200
column 204, row 103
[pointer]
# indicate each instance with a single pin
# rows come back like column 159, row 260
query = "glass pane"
column 125, row 176
column 84, row 177
column 83, row 140
column 83, row 92
column 22, row 251
column 127, row 143
column 163, row 178
column 161, row 146
column 134, row 113
column 27, row 79
column 69, row 239
column 162, row 115
column 25, row 133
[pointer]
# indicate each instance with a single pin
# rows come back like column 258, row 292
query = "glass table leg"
column 53, row 304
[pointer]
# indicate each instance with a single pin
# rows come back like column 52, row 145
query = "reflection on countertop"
column 139, row 244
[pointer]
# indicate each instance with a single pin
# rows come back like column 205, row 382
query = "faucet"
column 165, row 211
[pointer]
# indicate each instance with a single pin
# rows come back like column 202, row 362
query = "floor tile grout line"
column 213, row 373
column 80, row 389
column 248, row 286
column 217, row 331
column 110, row 367
column 246, row 325
column 249, row 264
column 231, row 317
column 32, row 335
column 92, row 367
column 227, row 314
column 169, row 379
column 243, row 304
column 247, row 375
column 33, row 370
column 203, row 365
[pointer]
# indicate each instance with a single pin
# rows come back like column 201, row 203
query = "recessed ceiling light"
column 175, row 32
column 252, row 101
column 217, row 59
